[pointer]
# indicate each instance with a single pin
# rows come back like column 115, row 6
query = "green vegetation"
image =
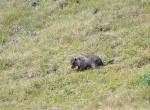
column 145, row 78
column 38, row 38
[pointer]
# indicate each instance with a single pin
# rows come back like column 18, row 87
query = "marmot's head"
column 75, row 62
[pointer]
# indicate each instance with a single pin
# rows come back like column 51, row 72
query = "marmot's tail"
column 109, row 62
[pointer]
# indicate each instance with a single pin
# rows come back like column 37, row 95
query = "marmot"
column 86, row 62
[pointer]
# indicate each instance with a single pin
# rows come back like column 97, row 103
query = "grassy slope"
column 27, row 63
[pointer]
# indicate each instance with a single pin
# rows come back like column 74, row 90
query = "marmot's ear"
column 73, row 60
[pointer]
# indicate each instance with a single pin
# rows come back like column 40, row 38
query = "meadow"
column 39, row 37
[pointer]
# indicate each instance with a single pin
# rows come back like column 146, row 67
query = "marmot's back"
column 94, row 59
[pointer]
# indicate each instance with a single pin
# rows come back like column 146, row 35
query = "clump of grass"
column 139, row 61
column 2, row 66
column 145, row 78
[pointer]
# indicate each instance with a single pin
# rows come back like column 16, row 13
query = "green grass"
column 145, row 78
column 28, row 80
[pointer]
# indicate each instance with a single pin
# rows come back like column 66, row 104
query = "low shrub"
column 145, row 78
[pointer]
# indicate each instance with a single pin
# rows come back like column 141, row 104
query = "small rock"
column 32, row 33
column 63, row 4
column 16, row 29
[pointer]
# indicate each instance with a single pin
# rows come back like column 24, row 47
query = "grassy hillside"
column 39, row 37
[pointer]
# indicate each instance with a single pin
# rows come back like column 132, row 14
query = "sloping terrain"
column 39, row 37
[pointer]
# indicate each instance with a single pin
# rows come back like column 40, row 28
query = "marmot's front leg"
column 78, row 69
column 81, row 69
